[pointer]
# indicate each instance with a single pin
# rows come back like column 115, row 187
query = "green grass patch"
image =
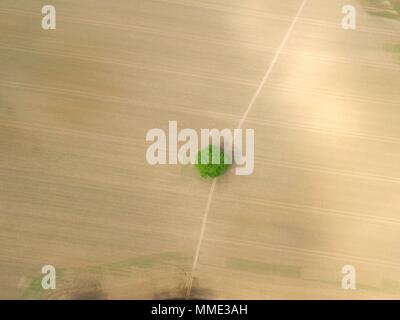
column 264, row 268
column 389, row 9
column 394, row 48
column 66, row 277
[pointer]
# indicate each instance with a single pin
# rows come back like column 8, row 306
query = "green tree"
column 213, row 168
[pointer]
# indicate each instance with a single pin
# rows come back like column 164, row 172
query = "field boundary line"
column 239, row 126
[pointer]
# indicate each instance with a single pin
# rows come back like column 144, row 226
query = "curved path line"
column 239, row 126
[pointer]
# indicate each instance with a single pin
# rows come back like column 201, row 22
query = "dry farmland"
column 76, row 191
